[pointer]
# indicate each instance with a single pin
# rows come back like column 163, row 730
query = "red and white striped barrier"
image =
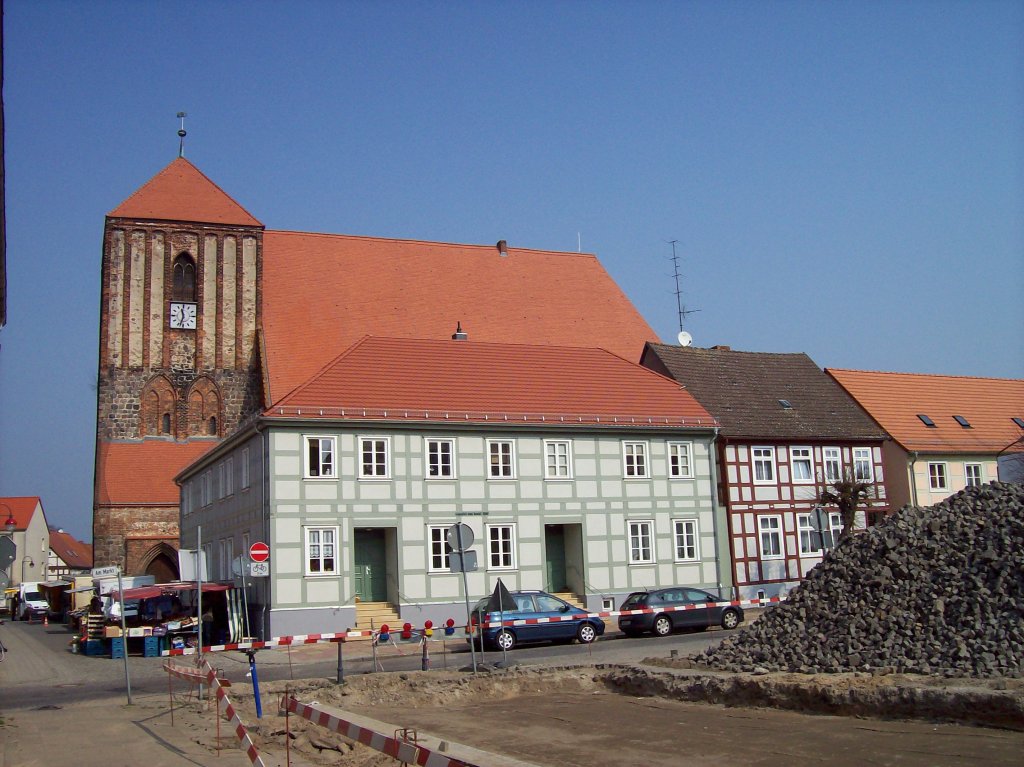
column 616, row 613
column 403, row 751
column 288, row 641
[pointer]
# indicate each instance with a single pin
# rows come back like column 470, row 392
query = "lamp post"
column 26, row 561
column 10, row 525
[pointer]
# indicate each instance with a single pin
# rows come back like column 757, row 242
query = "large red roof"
column 321, row 293
column 142, row 472
column 180, row 192
column 23, row 508
column 470, row 381
column 895, row 400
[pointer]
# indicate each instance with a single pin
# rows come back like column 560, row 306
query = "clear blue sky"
column 843, row 179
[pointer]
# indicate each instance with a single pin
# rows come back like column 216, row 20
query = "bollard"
column 341, row 665
column 255, row 683
column 425, row 663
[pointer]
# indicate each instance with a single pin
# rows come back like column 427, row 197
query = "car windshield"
column 33, row 596
column 634, row 601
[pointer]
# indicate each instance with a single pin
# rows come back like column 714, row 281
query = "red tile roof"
column 180, row 192
column 142, row 472
column 896, row 399
column 74, row 553
column 471, row 381
column 321, row 293
column 22, row 508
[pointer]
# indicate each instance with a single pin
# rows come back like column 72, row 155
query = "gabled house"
column 207, row 318
column 948, row 432
column 68, row 556
column 24, row 520
column 578, row 471
column 786, row 430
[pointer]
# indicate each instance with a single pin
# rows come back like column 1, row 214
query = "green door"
column 371, row 575
column 554, row 558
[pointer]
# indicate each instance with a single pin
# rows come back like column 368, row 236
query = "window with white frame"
column 835, row 524
column 801, row 464
column 972, row 474
column 807, row 537
column 440, row 458
column 221, row 480
column 229, row 476
column 374, row 454
column 680, row 463
column 937, row 479
column 833, row 460
column 440, row 551
column 245, row 545
column 686, row 538
column 502, row 459
column 764, row 465
column 320, row 461
column 186, row 500
column 321, row 550
column 206, row 566
column 245, row 469
column 641, row 542
column 863, row 470
column 501, row 548
column 634, row 460
column 557, row 459
column 206, row 493
column 769, row 530
column 222, row 561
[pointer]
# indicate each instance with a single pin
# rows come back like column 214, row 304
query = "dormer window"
column 927, row 421
column 962, row 421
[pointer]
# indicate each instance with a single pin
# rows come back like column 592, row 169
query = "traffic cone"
column 46, row 619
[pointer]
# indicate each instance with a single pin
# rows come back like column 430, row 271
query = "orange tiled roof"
column 321, row 293
column 142, row 472
column 460, row 381
column 180, row 192
column 22, row 507
column 896, row 399
column 73, row 552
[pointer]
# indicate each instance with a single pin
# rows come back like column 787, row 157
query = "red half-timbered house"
column 786, row 430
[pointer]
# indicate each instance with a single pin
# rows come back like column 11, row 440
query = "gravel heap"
column 936, row 590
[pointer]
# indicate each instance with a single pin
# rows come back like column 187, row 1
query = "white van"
column 30, row 601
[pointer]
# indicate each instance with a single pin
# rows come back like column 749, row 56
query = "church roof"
column 142, row 473
column 465, row 381
column 180, row 192
column 322, row 293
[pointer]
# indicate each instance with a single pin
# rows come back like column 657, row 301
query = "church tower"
column 178, row 355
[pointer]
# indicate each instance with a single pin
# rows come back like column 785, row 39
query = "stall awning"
column 149, row 592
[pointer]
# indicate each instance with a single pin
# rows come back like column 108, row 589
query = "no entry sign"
column 259, row 552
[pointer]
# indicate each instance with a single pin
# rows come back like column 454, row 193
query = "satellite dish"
column 685, row 339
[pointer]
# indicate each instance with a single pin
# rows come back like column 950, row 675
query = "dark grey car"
column 662, row 622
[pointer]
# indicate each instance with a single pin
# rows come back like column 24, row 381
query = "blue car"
column 532, row 605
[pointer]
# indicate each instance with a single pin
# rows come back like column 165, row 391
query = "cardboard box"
column 136, row 631
column 111, row 631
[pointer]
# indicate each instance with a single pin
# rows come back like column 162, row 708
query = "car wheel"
column 586, row 633
column 662, row 626
column 505, row 639
column 730, row 619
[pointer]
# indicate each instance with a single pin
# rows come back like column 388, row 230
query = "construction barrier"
column 287, row 641
column 402, row 750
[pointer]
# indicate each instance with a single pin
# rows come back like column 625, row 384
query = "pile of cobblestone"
column 936, row 590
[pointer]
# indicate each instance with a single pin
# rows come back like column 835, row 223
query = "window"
column 833, row 464
column 686, row 540
column 221, row 480
column 184, row 279
column 229, row 476
column 972, row 474
column 557, row 460
column 641, row 543
column 679, row 463
column 205, row 566
column 439, row 549
column 245, row 545
column 206, row 491
column 501, row 554
column 927, row 421
column 769, row 530
column 962, row 421
column 937, row 476
column 764, row 465
column 374, row 462
column 440, row 458
column 862, row 469
column 800, row 462
column 320, row 550
column 807, row 538
column 502, row 459
column 320, row 457
column 245, row 468
column 634, row 459
column 225, row 553
column 835, row 524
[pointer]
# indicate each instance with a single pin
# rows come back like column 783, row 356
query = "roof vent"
column 458, row 335
column 502, row 248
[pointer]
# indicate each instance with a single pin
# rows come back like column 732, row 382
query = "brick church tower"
column 178, row 355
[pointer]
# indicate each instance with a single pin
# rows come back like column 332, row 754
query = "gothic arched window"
column 184, row 282
column 156, row 414
column 203, row 408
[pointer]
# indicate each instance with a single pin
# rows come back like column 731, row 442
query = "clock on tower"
column 183, row 315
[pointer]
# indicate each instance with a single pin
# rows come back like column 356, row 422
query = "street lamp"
column 26, row 561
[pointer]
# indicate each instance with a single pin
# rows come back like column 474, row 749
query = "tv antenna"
column 181, row 134
column 685, row 339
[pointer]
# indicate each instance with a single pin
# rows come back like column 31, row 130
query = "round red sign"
column 259, row 552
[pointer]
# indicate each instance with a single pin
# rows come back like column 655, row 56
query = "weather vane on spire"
column 181, row 134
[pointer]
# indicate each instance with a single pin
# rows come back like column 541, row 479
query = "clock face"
column 183, row 316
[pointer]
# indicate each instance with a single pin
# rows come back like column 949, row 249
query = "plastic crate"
column 151, row 647
column 95, row 647
column 117, row 647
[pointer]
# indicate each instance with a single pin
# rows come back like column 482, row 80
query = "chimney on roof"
column 458, row 335
column 502, row 248
column 722, row 348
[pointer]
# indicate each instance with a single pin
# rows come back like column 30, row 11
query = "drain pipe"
column 913, row 478
column 712, row 466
